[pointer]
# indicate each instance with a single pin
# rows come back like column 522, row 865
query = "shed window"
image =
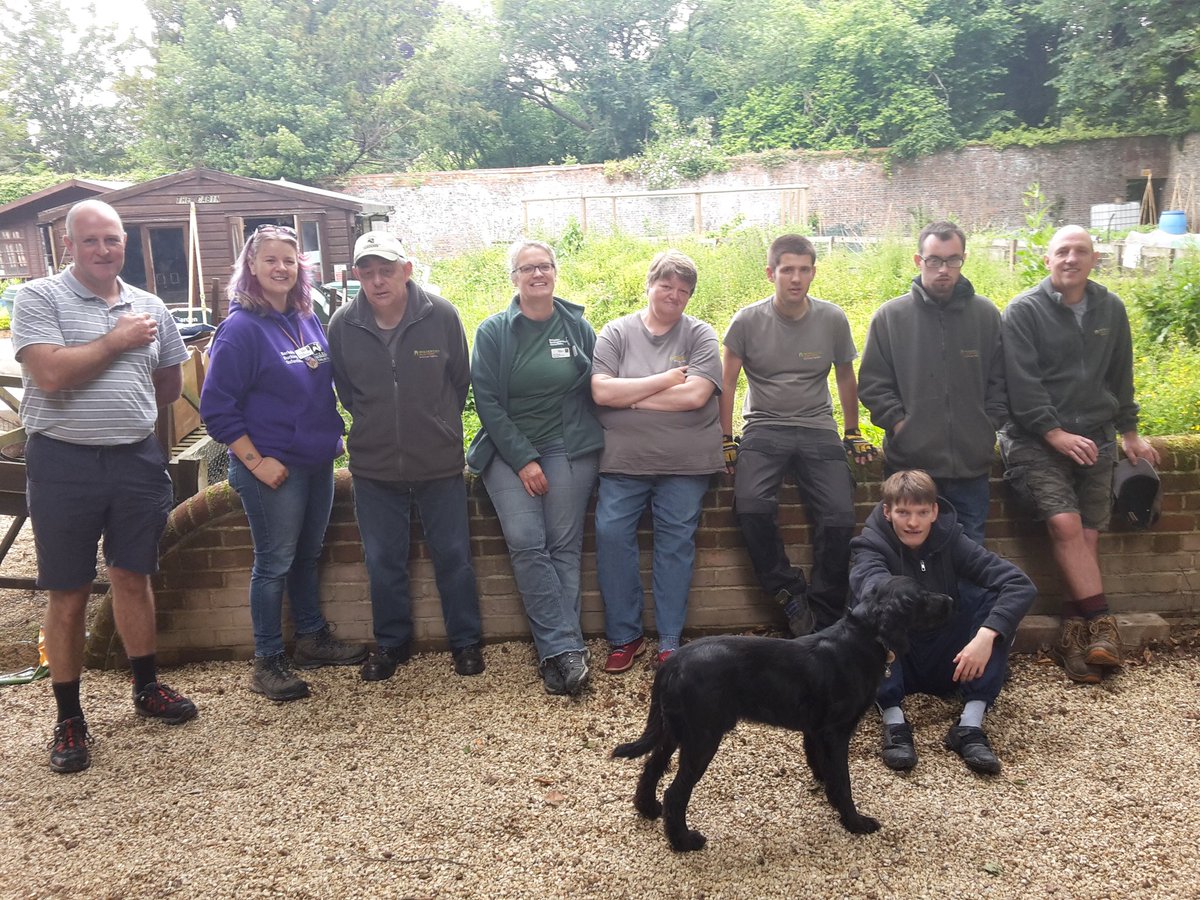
column 13, row 260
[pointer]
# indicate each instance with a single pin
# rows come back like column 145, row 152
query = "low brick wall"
column 206, row 556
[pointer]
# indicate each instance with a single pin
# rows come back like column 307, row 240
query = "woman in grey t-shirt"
column 656, row 374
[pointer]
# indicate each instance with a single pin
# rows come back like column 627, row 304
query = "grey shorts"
column 77, row 494
column 1055, row 484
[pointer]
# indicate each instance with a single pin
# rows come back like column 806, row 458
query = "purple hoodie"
column 259, row 383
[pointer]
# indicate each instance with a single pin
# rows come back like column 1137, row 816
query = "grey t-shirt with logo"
column 787, row 362
column 650, row 442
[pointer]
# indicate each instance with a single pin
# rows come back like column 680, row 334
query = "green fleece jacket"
column 491, row 366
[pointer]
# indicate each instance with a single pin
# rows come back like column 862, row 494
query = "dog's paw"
column 688, row 842
column 647, row 807
column 857, row 824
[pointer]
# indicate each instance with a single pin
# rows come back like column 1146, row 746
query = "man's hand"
column 973, row 658
column 135, row 330
column 1137, row 447
column 534, row 479
column 859, row 447
column 729, row 446
column 1075, row 447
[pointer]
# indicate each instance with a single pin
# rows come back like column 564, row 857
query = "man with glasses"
column 932, row 377
column 401, row 369
column 1069, row 356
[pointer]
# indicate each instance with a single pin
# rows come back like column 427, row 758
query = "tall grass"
column 606, row 274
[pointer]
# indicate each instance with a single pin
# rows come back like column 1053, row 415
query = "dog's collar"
column 889, row 657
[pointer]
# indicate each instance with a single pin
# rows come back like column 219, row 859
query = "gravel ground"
column 432, row 785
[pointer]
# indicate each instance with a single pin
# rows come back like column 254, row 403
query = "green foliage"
column 1048, row 137
column 674, row 155
column 1039, row 228
column 1170, row 303
column 61, row 79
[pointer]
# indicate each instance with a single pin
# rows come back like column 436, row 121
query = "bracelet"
column 256, row 465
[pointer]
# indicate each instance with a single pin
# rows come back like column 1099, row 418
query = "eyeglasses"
column 285, row 230
column 936, row 262
column 540, row 268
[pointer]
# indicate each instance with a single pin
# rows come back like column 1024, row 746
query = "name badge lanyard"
column 303, row 351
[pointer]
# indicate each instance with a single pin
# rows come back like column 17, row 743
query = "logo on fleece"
column 427, row 354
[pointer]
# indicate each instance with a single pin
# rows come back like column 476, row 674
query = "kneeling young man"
column 911, row 534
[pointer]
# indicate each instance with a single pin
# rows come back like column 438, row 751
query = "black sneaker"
column 468, row 660
column 159, row 701
column 69, row 746
column 273, row 678
column 574, row 668
column 898, row 750
column 800, row 617
column 321, row 648
column 972, row 745
column 383, row 662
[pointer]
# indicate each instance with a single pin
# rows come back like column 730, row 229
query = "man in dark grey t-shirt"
column 787, row 344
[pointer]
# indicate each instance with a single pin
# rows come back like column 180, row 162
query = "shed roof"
column 285, row 190
column 47, row 193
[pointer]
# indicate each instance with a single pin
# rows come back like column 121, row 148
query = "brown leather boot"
column 1071, row 651
column 1104, row 642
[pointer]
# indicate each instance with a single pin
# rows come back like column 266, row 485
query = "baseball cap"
column 379, row 243
column 1137, row 493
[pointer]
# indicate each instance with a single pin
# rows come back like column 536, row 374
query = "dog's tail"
column 654, row 727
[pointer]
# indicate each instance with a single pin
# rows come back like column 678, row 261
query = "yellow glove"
column 859, row 447
column 729, row 444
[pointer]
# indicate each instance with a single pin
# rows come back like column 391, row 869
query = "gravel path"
column 431, row 785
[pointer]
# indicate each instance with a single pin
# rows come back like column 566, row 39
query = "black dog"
column 820, row 685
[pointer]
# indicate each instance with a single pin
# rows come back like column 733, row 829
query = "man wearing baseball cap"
column 401, row 369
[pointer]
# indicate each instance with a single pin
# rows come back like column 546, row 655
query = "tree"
column 272, row 88
column 1128, row 64
column 60, row 80
column 589, row 62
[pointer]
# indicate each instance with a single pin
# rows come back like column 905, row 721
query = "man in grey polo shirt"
column 99, row 358
column 787, row 343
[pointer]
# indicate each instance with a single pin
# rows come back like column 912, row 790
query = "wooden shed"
column 157, row 214
column 24, row 249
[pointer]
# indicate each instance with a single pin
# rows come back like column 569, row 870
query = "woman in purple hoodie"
column 268, row 394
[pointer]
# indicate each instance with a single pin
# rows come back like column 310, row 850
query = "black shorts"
column 78, row 494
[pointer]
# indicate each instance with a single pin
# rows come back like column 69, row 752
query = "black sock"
column 66, row 695
column 1096, row 605
column 144, row 672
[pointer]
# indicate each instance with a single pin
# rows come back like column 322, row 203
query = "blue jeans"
column 288, row 527
column 545, row 542
column 675, row 503
column 383, row 510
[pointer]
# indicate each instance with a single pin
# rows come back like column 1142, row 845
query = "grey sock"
column 893, row 715
column 973, row 713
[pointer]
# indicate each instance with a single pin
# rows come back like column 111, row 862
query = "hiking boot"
column 800, row 618
column 273, row 677
column 321, row 648
column 69, row 746
column 468, row 660
column 574, row 668
column 1071, row 651
column 159, row 701
column 972, row 745
column 620, row 658
column 383, row 662
column 898, row 750
column 552, row 676
column 1104, row 643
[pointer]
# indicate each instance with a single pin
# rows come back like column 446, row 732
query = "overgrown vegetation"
column 606, row 274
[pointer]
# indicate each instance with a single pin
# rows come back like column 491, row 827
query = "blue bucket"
column 1173, row 221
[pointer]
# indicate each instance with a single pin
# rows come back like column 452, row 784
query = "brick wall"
column 206, row 556
column 443, row 213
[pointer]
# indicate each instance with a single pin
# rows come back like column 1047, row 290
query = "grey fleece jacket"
column 939, row 368
column 1062, row 374
column 407, row 405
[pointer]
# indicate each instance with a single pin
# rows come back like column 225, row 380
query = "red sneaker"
column 663, row 656
column 620, row 659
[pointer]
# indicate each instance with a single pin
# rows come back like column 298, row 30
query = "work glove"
column 729, row 445
column 859, row 447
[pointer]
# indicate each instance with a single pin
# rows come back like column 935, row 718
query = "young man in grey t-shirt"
column 787, row 344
